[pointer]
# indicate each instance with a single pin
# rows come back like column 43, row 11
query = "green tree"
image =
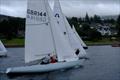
column 6, row 29
column 10, row 27
column 88, row 33
column 87, row 19
column 75, row 22
column 94, row 35
column 97, row 19
column 80, row 21
column 83, row 31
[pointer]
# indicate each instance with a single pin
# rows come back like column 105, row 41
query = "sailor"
column 46, row 59
column 77, row 52
column 53, row 59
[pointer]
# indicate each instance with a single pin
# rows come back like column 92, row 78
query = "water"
column 104, row 64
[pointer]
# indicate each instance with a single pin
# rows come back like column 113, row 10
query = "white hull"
column 3, row 53
column 85, row 47
column 44, row 68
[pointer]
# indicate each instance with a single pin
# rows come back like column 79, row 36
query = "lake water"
column 104, row 64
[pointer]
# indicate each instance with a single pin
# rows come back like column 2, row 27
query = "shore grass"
column 20, row 42
column 89, row 43
column 13, row 42
column 100, row 42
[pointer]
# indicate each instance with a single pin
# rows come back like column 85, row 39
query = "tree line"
column 10, row 26
column 85, row 29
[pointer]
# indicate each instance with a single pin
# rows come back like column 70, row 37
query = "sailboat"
column 43, row 37
column 3, row 50
column 67, row 30
column 79, row 38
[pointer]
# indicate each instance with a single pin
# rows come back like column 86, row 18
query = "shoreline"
column 14, row 46
column 18, row 46
column 20, row 42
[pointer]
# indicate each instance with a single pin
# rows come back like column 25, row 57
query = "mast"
column 46, row 1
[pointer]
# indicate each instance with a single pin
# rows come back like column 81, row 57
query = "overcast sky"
column 70, row 7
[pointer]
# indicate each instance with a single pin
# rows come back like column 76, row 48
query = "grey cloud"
column 13, row 7
column 69, row 7
column 80, row 9
column 92, row 1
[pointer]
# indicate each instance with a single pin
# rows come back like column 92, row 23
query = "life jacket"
column 53, row 60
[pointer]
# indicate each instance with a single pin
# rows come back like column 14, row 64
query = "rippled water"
column 104, row 64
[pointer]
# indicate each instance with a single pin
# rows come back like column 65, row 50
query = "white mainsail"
column 38, row 39
column 43, row 37
column 65, row 26
column 75, row 32
column 3, row 50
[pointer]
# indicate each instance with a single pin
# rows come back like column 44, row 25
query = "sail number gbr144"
column 36, row 15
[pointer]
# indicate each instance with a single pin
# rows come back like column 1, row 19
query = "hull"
column 116, row 45
column 45, row 68
column 3, row 54
column 85, row 47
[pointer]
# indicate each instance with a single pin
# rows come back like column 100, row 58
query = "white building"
column 104, row 29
